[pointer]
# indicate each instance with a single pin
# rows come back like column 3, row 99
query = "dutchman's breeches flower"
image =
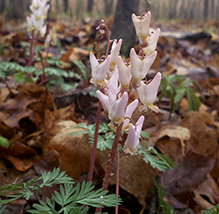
column 132, row 140
column 114, row 54
column 152, row 42
column 140, row 67
column 128, row 113
column 117, row 109
column 142, row 27
column 124, row 73
column 39, row 9
column 99, row 70
column 148, row 92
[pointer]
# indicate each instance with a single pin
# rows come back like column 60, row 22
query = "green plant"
column 105, row 140
column 70, row 199
column 105, row 137
column 55, row 76
column 162, row 205
column 212, row 210
column 4, row 142
column 155, row 159
column 175, row 87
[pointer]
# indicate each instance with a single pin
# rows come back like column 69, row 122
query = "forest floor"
column 37, row 116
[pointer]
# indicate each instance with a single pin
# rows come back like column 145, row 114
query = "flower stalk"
column 94, row 148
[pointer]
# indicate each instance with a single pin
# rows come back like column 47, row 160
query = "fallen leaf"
column 171, row 131
column 203, row 133
column 189, row 174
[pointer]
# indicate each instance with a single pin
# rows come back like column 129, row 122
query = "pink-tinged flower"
column 140, row 67
column 132, row 140
column 142, row 27
column 114, row 53
column 117, row 109
column 124, row 73
column 128, row 113
column 104, row 99
column 152, row 42
column 148, row 94
column 98, row 70
column 114, row 80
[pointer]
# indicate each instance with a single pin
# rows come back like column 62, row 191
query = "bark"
column 2, row 6
column 16, row 9
column 108, row 4
column 206, row 10
column 123, row 26
column 57, row 5
column 90, row 5
column 65, row 5
column 212, row 9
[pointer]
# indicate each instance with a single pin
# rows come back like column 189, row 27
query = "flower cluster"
column 116, row 80
column 35, row 22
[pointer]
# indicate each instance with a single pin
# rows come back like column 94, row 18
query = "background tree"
column 90, row 5
column 122, row 25
column 65, row 5
column 2, row 6
column 16, row 9
column 206, row 9
column 108, row 5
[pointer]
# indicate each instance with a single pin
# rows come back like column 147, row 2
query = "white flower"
column 152, row 42
column 132, row 140
column 140, row 67
column 114, row 53
column 148, row 94
column 142, row 26
column 124, row 73
column 99, row 70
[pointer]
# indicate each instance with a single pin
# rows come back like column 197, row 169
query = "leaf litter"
column 37, row 123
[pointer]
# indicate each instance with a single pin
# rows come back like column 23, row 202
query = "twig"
column 8, row 87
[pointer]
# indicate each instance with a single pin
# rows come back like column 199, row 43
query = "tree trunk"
column 123, row 26
column 2, row 6
column 205, row 10
column 65, row 5
column 16, row 9
column 212, row 9
column 90, row 5
column 108, row 4
column 57, row 5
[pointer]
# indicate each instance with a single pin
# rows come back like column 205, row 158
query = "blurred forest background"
column 197, row 10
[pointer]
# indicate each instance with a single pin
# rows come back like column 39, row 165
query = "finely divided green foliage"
column 28, row 189
column 156, row 160
column 163, row 205
column 175, row 87
column 70, row 199
column 55, row 75
column 2, row 208
column 105, row 137
column 212, row 210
